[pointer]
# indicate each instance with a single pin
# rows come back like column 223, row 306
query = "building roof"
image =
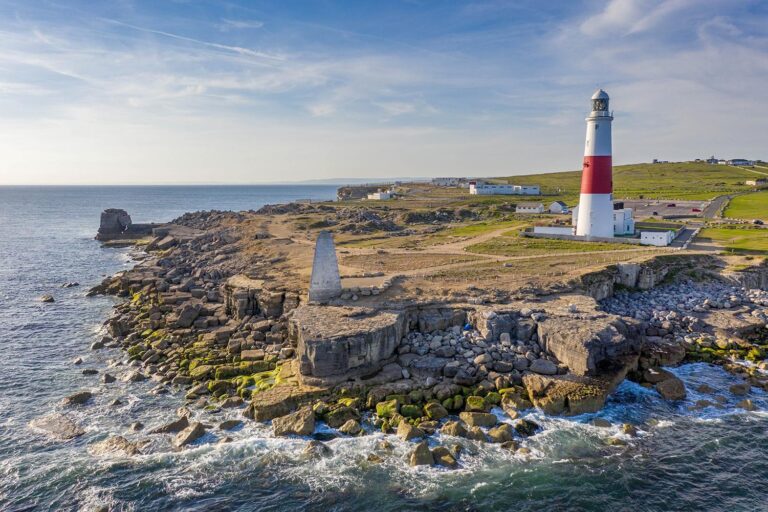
column 560, row 203
column 600, row 95
column 530, row 205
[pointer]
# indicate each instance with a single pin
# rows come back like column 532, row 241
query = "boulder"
column 582, row 345
column 190, row 434
column 316, row 449
column 453, row 428
column 476, row 434
column 172, row 427
column 334, row 344
column 406, row 431
column 526, row 427
column 478, row 419
column 338, row 416
column 443, row 457
column 351, row 428
column 57, row 426
column 421, row 455
column 740, row 389
column 543, row 367
column 229, row 424
column 114, row 445
column 671, row 389
column 300, row 423
column 78, row 398
column 435, row 411
column 501, row 433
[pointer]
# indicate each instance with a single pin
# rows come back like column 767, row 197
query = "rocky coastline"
column 215, row 314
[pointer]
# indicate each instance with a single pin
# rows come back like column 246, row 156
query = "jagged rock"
column 478, row 419
column 476, row 434
column 453, row 428
column 334, row 344
column 746, row 404
column 671, row 388
column 421, row 455
column 740, row 389
column 501, row 433
column 107, row 378
column 543, row 367
column 47, row 298
column 193, row 432
column 78, row 398
column 114, row 445
column 443, row 457
column 526, row 427
column 58, row 426
column 229, row 424
column 435, row 411
column 338, row 416
column 316, row 449
column 351, row 428
column 300, row 423
column 406, row 431
column 172, row 427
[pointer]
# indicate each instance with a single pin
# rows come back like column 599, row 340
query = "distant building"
column 447, row 182
column 657, row 238
column 756, row 183
column 381, row 195
column 740, row 161
column 481, row 188
column 529, row 208
column 558, row 207
column 712, row 160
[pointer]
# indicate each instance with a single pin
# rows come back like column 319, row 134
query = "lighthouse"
column 595, row 215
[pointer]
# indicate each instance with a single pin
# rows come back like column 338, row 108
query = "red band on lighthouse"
column 596, row 176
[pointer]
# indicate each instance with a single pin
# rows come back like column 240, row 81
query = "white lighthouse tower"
column 595, row 216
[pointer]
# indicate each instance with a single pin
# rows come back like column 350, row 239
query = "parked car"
column 697, row 210
column 655, row 213
column 671, row 205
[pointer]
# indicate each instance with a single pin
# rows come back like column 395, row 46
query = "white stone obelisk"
column 325, row 282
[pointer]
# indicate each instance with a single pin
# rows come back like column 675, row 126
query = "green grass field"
column 749, row 206
column 738, row 240
column 651, row 181
column 523, row 246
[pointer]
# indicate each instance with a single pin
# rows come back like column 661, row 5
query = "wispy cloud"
column 227, row 24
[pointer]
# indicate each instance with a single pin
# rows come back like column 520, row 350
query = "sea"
column 685, row 458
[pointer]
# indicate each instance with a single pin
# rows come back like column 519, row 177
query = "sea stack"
column 595, row 216
column 325, row 282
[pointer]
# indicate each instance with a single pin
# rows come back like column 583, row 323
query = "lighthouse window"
column 597, row 126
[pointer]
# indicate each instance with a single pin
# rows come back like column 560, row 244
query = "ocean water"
column 683, row 459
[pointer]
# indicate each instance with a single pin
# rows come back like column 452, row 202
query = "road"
column 715, row 206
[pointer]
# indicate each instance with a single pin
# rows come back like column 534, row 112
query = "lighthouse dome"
column 600, row 102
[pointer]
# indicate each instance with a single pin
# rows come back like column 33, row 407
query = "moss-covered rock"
column 338, row 416
column 435, row 411
column 411, row 411
column 475, row 403
column 492, row 398
column 201, row 372
column 387, row 408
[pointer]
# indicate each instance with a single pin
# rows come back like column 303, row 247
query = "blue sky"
column 238, row 92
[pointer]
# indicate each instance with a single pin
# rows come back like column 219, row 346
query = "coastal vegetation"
column 749, row 206
column 737, row 239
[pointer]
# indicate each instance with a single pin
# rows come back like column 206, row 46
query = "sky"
column 208, row 91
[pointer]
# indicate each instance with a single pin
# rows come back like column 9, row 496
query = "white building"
column 558, row 207
column 623, row 222
column 481, row 188
column 756, row 183
column 529, row 208
column 657, row 238
column 381, row 195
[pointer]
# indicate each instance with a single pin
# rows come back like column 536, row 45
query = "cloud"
column 321, row 109
column 632, row 16
column 227, row 24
